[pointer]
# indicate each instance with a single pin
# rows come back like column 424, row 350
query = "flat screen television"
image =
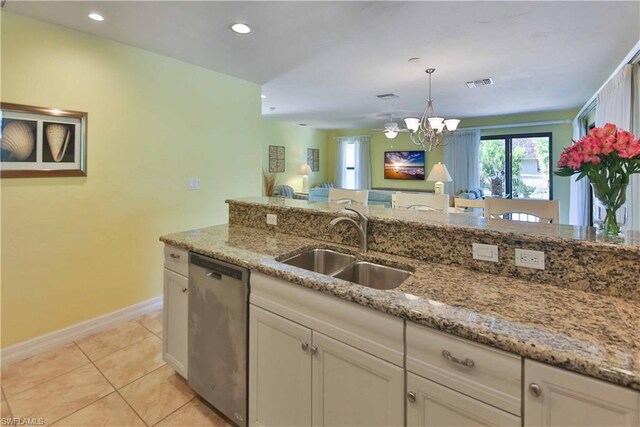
column 404, row 165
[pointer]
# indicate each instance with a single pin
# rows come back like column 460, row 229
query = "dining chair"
column 421, row 202
column 472, row 206
column 348, row 197
column 528, row 210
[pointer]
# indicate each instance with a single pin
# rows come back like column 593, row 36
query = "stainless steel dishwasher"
column 218, row 334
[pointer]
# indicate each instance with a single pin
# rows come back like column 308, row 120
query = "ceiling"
column 322, row 63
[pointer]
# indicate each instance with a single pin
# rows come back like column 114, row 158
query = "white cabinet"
column 555, row 397
column 351, row 387
column 279, row 371
column 175, row 310
column 432, row 405
column 483, row 373
column 299, row 376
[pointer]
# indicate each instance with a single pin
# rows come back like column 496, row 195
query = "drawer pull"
column 535, row 389
column 174, row 256
column 411, row 397
column 466, row 362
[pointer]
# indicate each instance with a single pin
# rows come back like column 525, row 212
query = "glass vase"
column 609, row 212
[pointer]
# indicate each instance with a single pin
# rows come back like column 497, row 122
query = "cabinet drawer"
column 176, row 259
column 495, row 377
column 431, row 404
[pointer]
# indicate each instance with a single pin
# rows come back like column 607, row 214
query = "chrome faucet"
column 362, row 227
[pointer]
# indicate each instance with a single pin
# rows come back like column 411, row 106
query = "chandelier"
column 428, row 132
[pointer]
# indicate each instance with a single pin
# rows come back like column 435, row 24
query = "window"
column 350, row 164
column 516, row 166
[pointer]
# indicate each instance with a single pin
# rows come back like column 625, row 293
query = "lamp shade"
column 391, row 134
column 412, row 123
column 304, row 169
column 452, row 124
column 439, row 173
column 435, row 122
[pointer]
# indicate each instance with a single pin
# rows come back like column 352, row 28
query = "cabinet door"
column 555, row 397
column 354, row 388
column 432, row 405
column 279, row 371
column 174, row 317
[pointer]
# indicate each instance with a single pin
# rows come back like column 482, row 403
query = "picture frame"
column 276, row 158
column 313, row 159
column 404, row 165
column 42, row 142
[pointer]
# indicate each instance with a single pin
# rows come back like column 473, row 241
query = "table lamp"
column 440, row 175
column 305, row 170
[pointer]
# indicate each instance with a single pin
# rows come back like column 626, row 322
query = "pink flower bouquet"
column 608, row 156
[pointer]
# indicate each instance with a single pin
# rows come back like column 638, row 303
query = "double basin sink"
column 347, row 267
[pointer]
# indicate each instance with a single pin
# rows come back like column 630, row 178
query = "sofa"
column 376, row 197
column 287, row 192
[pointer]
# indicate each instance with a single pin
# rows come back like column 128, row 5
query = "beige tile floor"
column 114, row 378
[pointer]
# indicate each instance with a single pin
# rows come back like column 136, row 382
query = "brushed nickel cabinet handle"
column 411, row 397
column 304, row 346
column 466, row 362
column 535, row 389
column 174, row 256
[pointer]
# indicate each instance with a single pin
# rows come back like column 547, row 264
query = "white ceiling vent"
column 482, row 82
column 386, row 96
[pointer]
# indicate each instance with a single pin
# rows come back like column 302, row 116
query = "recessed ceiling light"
column 96, row 17
column 241, row 28
column 414, row 59
column 272, row 108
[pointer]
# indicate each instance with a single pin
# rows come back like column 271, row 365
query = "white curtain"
column 462, row 159
column 341, row 161
column 579, row 189
column 363, row 163
column 614, row 105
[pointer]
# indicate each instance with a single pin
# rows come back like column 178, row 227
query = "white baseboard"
column 63, row 336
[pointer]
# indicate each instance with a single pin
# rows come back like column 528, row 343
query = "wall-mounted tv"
column 404, row 165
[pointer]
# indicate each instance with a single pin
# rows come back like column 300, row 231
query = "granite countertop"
column 584, row 332
column 548, row 232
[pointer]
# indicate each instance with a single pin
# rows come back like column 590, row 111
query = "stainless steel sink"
column 373, row 275
column 323, row 261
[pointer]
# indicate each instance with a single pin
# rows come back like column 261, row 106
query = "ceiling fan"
column 391, row 129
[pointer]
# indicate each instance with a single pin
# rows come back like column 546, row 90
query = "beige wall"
column 76, row 248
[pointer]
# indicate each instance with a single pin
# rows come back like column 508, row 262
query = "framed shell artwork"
column 42, row 142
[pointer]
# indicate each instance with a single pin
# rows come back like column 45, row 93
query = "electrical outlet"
column 531, row 259
column 194, row 184
column 485, row 252
column 272, row 219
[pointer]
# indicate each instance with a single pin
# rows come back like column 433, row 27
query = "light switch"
column 485, row 252
column 194, row 184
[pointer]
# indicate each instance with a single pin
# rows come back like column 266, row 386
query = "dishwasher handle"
column 214, row 275
column 217, row 269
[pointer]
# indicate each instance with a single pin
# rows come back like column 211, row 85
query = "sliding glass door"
column 516, row 166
